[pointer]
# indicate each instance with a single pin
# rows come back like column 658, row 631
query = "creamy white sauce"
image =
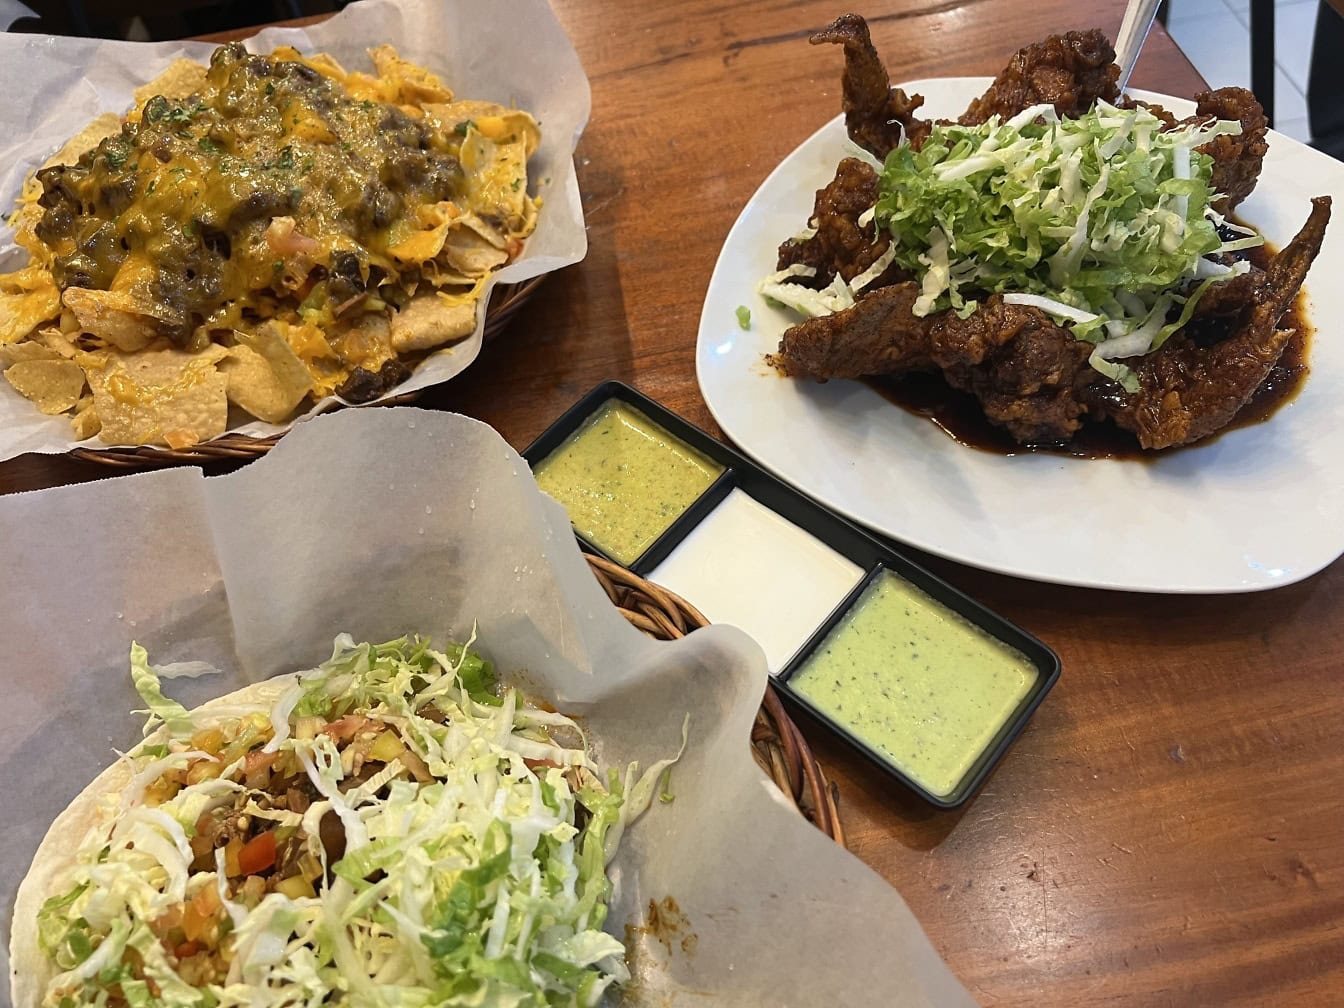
column 746, row 566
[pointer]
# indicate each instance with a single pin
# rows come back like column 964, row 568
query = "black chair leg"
column 1325, row 83
column 1262, row 54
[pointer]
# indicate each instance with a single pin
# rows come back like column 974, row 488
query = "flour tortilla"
column 54, row 861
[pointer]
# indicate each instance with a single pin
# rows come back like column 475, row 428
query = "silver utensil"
column 1133, row 31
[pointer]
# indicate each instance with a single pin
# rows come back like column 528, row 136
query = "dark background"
column 162, row 19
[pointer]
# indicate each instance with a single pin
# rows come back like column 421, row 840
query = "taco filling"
column 394, row 829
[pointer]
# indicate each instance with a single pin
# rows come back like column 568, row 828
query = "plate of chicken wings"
column 1206, row 501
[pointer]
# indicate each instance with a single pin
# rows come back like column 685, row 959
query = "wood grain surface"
column 1170, row 828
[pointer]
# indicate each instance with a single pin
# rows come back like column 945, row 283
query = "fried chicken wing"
column 1069, row 71
column 840, row 245
column 876, row 114
column 1188, row 391
column 1028, row 373
column 1236, row 159
column 879, row 335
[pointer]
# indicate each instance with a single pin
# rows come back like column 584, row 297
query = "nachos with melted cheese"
column 259, row 233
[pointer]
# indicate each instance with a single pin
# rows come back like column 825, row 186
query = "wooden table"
column 1170, row 828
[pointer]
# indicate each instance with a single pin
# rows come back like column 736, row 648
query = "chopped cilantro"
column 183, row 114
column 744, row 316
column 115, row 158
column 270, row 89
column 152, row 184
column 516, row 183
column 461, row 128
column 208, row 145
column 156, row 109
column 286, row 159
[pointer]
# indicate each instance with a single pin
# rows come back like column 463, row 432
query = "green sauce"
column 624, row 480
column 916, row 682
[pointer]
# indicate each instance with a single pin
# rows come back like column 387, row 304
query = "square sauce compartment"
column 746, row 565
column 920, row 687
column 624, row 479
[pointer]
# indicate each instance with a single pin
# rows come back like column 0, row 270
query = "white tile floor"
column 1216, row 35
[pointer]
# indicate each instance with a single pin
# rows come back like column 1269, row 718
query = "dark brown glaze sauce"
column 959, row 414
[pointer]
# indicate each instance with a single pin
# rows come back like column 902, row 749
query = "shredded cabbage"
column 480, row 880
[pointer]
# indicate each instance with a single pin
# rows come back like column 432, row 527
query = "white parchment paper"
column 381, row 522
column 513, row 52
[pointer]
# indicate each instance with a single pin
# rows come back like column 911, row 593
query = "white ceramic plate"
column 1256, row 508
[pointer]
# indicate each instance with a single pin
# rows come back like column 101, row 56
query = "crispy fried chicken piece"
column 1188, row 391
column 1236, row 159
column 1029, row 374
column 1069, row 71
column 840, row 245
column 876, row 114
column 879, row 335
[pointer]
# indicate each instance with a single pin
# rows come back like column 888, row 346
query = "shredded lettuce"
column 482, row 883
column 161, row 710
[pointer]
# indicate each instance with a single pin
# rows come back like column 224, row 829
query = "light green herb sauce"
column 624, row 480
column 916, row 682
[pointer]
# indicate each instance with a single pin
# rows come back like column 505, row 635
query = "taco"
column 388, row 828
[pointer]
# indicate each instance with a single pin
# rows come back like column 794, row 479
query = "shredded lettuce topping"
column 397, row 830
column 1104, row 222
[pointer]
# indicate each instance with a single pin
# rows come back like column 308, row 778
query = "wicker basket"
column 776, row 743
column 505, row 301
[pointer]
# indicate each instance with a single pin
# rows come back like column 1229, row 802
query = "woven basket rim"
column 777, row 744
column 505, row 301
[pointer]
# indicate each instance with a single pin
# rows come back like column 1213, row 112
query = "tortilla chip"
column 122, row 319
column 414, row 84
column 365, row 341
column 160, row 397
column 265, row 376
column 25, row 351
column 471, row 254
column 28, row 298
column 106, row 125
column 85, row 421
column 496, row 175
column 181, row 79
column 429, row 321
column 55, row 340
column 53, row 385
column 503, row 125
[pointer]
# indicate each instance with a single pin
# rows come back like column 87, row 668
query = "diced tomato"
column 346, row 728
column 257, row 854
column 187, row 949
column 257, row 766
